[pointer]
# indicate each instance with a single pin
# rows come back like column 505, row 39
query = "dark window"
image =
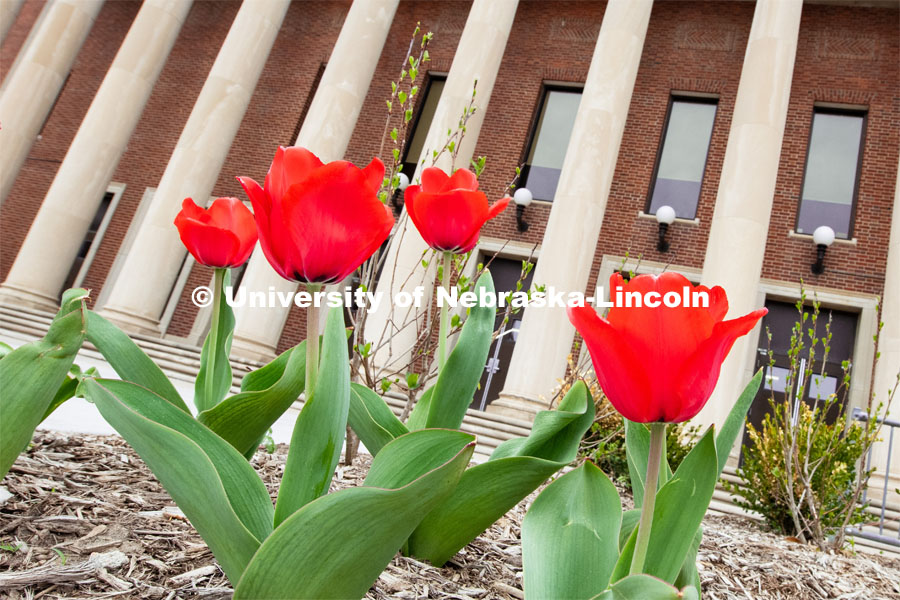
column 549, row 141
column 88, row 240
column 422, row 123
column 832, row 171
column 682, row 156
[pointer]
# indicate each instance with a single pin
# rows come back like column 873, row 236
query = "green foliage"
column 833, row 447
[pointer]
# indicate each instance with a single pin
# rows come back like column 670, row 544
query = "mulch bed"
column 87, row 519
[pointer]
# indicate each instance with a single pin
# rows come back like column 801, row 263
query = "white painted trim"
column 117, row 190
column 694, row 221
column 808, row 236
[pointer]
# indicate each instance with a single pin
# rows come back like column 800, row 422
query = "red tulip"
column 449, row 211
column 660, row 364
column 222, row 235
column 318, row 222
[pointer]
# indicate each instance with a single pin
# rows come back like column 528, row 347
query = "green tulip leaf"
column 218, row 491
column 645, row 587
column 214, row 361
column 320, row 427
column 32, row 375
column 244, row 419
column 688, row 575
column 128, row 360
column 419, row 414
column 372, row 419
column 516, row 468
column 458, row 380
column 569, row 536
column 735, row 421
column 680, row 506
column 337, row 545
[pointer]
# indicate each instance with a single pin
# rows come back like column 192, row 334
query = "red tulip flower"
column 220, row 236
column 318, row 222
column 660, row 364
column 450, row 211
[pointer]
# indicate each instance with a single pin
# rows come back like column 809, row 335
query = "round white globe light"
column 523, row 197
column 665, row 214
column 823, row 235
column 403, row 181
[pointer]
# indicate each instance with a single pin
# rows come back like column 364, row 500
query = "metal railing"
column 885, row 513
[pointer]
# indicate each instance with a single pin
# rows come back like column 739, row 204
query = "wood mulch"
column 84, row 518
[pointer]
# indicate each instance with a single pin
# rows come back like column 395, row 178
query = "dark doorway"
column 780, row 322
column 506, row 273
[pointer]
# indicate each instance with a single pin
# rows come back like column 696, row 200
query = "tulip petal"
column 620, row 373
column 210, row 246
column 462, row 179
column 449, row 220
column 697, row 377
column 334, row 222
column 298, row 165
column 497, row 208
column 189, row 210
column 434, row 180
column 374, row 173
column 262, row 207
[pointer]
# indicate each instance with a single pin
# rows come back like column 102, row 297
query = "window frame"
column 543, row 93
column 682, row 97
column 117, row 190
column 861, row 112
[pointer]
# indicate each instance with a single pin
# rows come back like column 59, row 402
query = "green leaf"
column 32, row 374
column 459, row 378
column 645, row 587
column 128, row 360
column 372, row 419
column 214, row 486
column 569, row 542
column 680, row 506
column 217, row 360
column 65, row 391
column 735, row 421
column 516, row 468
column 688, row 575
column 243, row 419
column 637, row 442
column 320, row 427
column 419, row 414
column 336, row 546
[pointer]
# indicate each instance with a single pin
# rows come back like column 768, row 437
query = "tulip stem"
column 657, row 443
column 210, row 391
column 312, row 342
column 445, row 313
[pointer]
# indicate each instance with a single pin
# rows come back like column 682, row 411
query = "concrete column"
column 326, row 132
column 34, row 84
column 477, row 57
column 570, row 241
column 9, row 10
column 889, row 350
column 139, row 294
column 66, row 213
column 740, row 223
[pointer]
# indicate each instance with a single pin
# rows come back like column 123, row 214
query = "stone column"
column 66, row 213
column 140, row 292
column 570, row 241
column 740, row 223
column 9, row 10
column 478, row 56
column 36, row 81
column 889, row 348
column 326, row 132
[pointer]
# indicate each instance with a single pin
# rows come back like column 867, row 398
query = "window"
column 549, row 141
column 682, row 156
column 95, row 231
column 422, row 123
column 832, row 171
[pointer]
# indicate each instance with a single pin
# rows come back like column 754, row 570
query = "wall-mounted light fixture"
column 522, row 198
column 665, row 216
column 823, row 237
column 396, row 202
